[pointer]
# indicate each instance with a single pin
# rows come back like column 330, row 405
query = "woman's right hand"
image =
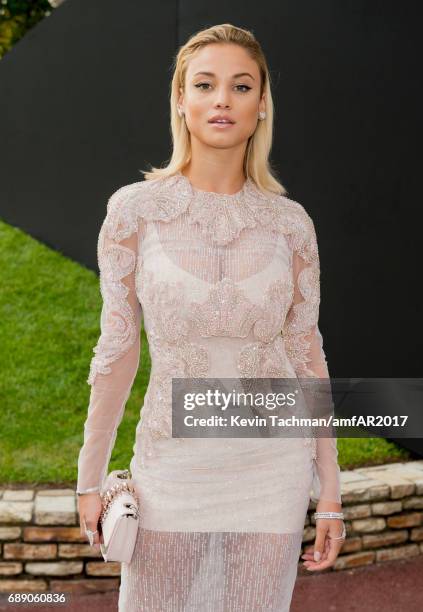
column 89, row 509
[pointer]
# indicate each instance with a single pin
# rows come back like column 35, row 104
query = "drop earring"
column 180, row 111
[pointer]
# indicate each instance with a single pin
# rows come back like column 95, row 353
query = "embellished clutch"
column 119, row 518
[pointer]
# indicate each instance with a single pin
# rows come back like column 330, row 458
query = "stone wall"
column 41, row 548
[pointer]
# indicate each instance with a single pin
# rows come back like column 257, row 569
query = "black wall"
column 84, row 102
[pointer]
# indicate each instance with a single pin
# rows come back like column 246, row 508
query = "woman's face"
column 222, row 79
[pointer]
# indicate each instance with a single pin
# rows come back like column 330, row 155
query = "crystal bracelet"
column 330, row 515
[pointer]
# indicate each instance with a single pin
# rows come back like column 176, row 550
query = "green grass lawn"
column 49, row 323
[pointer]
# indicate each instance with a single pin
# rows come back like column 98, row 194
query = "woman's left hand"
column 329, row 549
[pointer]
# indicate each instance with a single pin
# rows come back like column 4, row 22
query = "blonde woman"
column 223, row 270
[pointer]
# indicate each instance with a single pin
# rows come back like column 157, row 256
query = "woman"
column 223, row 269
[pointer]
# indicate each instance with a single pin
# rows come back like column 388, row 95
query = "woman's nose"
column 222, row 98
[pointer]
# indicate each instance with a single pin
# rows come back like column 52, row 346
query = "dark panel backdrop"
column 84, row 106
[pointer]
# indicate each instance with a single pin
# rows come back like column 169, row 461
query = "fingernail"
column 317, row 555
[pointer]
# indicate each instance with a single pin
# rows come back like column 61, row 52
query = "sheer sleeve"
column 304, row 347
column 115, row 363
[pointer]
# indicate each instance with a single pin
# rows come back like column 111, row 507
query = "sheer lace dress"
column 225, row 286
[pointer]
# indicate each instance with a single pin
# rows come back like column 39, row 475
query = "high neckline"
column 220, row 216
column 224, row 197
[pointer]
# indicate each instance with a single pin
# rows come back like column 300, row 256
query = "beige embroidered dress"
column 226, row 286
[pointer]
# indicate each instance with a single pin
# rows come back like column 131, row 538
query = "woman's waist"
column 222, row 357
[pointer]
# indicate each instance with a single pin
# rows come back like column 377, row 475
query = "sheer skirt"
column 210, row 572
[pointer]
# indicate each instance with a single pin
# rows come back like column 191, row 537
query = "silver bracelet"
column 329, row 515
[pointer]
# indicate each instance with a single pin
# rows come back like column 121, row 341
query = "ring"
column 90, row 534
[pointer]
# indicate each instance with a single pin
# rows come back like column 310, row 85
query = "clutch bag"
column 119, row 518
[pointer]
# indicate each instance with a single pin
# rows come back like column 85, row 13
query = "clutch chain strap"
column 113, row 493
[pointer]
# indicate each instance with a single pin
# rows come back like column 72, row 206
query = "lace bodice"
column 226, row 286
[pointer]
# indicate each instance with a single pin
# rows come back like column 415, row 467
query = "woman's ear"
column 181, row 97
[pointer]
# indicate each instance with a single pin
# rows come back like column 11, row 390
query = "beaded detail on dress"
column 197, row 286
column 221, row 218
column 117, row 318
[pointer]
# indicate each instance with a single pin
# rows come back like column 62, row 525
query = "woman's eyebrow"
column 235, row 76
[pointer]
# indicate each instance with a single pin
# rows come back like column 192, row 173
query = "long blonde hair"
column 256, row 160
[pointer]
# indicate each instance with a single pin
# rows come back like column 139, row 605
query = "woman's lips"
column 220, row 124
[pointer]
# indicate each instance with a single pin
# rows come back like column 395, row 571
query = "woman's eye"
column 203, row 86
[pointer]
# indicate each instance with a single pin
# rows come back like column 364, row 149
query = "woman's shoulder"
column 294, row 207
column 295, row 217
column 150, row 200
column 127, row 193
column 295, row 221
